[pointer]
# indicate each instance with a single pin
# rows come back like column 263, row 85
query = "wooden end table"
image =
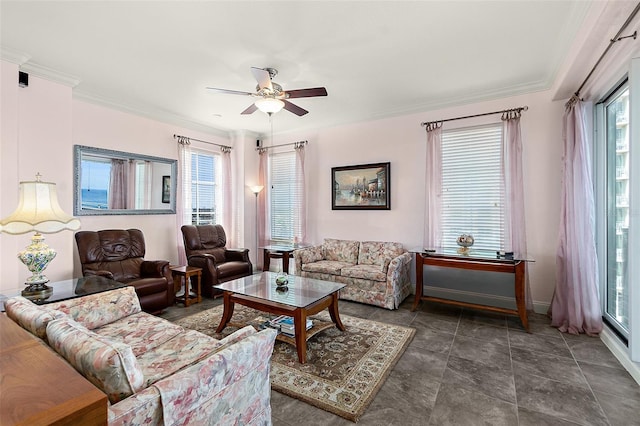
column 276, row 251
column 186, row 272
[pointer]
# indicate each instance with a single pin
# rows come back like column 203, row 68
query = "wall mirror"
column 110, row 182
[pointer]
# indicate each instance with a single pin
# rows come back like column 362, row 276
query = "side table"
column 275, row 251
column 186, row 272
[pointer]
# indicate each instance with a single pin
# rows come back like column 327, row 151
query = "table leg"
column 520, row 295
column 199, row 293
column 419, row 280
column 333, row 312
column 227, row 313
column 300, row 325
column 285, row 262
column 266, row 260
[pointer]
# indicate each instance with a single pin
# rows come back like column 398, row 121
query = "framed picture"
column 362, row 187
column 166, row 189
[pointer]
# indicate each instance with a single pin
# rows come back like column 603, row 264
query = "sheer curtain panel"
column 183, row 197
column 300, row 215
column 433, row 195
column 575, row 307
column 228, row 222
column 515, row 238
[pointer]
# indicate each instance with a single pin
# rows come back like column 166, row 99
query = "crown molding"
column 162, row 116
column 13, row 56
column 50, row 74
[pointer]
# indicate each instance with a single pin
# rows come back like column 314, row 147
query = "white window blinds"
column 472, row 190
column 283, row 196
column 205, row 197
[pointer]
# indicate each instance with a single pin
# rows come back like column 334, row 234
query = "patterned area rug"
column 344, row 370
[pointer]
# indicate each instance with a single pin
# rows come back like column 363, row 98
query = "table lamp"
column 38, row 210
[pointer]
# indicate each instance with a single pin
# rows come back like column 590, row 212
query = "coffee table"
column 303, row 297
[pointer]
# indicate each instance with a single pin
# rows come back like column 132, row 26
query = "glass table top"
column 70, row 289
column 474, row 254
column 300, row 292
column 282, row 247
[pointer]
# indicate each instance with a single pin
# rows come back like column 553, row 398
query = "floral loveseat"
column 377, row 273
column 153, row 371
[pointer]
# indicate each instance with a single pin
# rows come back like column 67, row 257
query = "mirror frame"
column 78, row 150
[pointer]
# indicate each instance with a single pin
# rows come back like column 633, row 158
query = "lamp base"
column 38, row 291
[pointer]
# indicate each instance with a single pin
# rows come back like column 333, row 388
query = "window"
column 615, row 151
column 205, row 190
column 283, row 197
column 472, row 190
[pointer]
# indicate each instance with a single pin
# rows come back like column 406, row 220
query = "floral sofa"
column 155, row 372
column 377, row 273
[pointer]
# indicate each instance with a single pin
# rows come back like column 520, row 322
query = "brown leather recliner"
column 118, row 254
column 205, row 248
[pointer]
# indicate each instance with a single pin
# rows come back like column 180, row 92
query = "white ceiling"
column 376, row 59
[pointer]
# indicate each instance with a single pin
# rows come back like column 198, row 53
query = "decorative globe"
column 465, row 240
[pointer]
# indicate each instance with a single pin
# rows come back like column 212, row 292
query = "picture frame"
column 166, row 189
column 361, row 187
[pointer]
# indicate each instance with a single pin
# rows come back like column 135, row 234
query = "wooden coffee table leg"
column 333, row 312
column 300, row 325
column 227, row 313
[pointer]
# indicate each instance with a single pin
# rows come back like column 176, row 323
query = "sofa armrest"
column 307, row 255
column 245, row 365
column 399, row 267
column 240, row 254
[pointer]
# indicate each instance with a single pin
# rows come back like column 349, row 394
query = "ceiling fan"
column 272, row 97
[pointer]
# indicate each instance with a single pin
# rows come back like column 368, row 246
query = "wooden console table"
column 479, row 262
column 40, row 388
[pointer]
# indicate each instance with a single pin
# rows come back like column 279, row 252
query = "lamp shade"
column 256, row 189
column 269, row 105
column 38, row 210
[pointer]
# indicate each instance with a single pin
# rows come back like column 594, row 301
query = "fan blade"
column 230, row 92
column 306, row 93
column 294, row 108
column 262, row 77
column 250, row 110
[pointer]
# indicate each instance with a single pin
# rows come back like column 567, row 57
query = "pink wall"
column 43, row 119
column 401, row 140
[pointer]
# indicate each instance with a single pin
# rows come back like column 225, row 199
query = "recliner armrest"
column 98, row 272
column 240, row 254
column 153, row 268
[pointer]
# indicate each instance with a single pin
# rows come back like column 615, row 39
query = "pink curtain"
column 183, row 196
column 515, row 238
column 301, row 205
column 227, row 196
column 261, row 226
column 433, row 195
column 118, row 185
column 575, row 307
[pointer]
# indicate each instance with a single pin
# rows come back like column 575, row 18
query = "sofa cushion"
column 311, row 254
column 109, row 365
column 326, row 267
column 377, row 252
column 141, row 331
column 341, row 250
column 30, row 316
column 181, row 351
column 367, row 272
column 99, row 309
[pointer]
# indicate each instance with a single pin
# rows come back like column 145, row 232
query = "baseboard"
column 482, row 298
column 621, row 352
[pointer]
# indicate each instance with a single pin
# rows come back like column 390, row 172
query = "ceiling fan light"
column 269, row 105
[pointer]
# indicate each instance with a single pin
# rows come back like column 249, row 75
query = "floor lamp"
column 256, row 189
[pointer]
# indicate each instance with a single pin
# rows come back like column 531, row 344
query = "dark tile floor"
column 467, row 367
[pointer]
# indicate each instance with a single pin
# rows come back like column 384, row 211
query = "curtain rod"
column 517, row 110
column 614, row 40
column 284, row 144
column 188, row 140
